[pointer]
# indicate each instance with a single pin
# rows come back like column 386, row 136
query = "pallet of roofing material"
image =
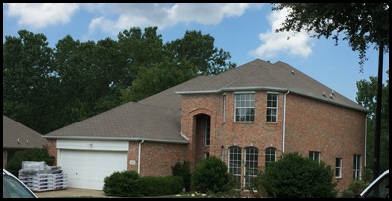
column 38, row 182
column 60, row 180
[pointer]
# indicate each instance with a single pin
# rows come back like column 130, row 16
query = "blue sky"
column 245, row 30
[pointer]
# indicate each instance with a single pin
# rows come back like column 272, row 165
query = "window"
column 338, row 168
column 314, row 155
column 244, row 107
column 272, row 107
column 251, row 165
column 357, row 167
column 235, row 164
column 206, row 155
column 224, row 109
column 270, row 155
column 207, row 132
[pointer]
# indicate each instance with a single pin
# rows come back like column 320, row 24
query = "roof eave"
column 117, row 139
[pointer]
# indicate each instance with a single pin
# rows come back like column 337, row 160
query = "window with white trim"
column 338, row 168
column 207, row 131
column 251, row 166
column 272, row 107
column 224, row 109
column 357, row 167
column 314, row 155
column 234, row 166
column 244, row 107
column 270, row 155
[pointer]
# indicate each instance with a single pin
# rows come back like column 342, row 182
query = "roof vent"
column 324, row 93
column 292, row 72
column 332, row 92
column 330, row 95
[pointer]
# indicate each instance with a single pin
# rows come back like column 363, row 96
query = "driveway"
column 70, row 192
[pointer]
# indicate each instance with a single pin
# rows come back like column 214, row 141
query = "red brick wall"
column 311, row 125
column 157, row 158
column 334, row 131
column 52, row 149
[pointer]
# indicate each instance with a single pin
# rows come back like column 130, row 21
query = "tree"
column 28, row 80
column 361, row 23
column 365, row 96
column 178, row 61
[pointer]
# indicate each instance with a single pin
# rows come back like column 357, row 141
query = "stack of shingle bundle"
column 38, row 176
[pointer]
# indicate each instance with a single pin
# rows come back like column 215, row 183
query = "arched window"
column 270, row 155
column 251, row 165
column 235, row 163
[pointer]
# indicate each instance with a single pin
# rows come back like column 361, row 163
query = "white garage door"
column 87, row 169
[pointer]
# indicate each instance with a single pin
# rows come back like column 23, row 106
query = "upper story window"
column 314, row 155
column 224, row 108
column 357, row 167
column 244, row 107
column 272, row 107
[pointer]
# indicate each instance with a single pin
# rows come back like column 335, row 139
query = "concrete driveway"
column 70, row 192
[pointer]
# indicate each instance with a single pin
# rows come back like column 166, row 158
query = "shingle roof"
column 261, row 75
column 19, row 136
column 132, row 121
column 158, row 117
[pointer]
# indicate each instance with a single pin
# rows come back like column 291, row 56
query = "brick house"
column 247, row 116
column 17, row 136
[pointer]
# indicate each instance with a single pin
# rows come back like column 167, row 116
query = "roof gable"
column 19, row 136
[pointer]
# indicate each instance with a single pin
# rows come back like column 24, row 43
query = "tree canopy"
column 361, row 24
column 47, row 88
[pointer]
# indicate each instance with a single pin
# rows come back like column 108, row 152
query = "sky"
column 245, row 30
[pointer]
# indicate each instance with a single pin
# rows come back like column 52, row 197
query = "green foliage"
column 366, row 96
column 294, row 176
column 123, row 184
column 77, row 80
column 34, row 154
column 210, row 176
column 156, row 185
column 355, row 188
column 183, row 170
column 361, row 23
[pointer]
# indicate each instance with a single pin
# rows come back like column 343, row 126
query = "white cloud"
column 298, row 44
column 40, row 15
column 120, row 16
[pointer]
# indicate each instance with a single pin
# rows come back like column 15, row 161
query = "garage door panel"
column 87, row 169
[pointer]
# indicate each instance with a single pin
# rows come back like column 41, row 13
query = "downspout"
column 365, row 140
column 138, row 156
column 284, row 120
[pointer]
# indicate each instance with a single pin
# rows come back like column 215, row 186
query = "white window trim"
column 235, row 104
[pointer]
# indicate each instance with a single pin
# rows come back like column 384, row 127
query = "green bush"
column 294, row 176
column 122, row 184
column 183, row 170
column 355, row 188
column 157, row 185
column 210, row 176
column 34, row 154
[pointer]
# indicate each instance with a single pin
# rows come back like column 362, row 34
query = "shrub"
column 122, row 184
column 355, row 188
column 210, row 176
column 294, row 176
column 161, row 185
column 183, row 170
column 34, row 154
